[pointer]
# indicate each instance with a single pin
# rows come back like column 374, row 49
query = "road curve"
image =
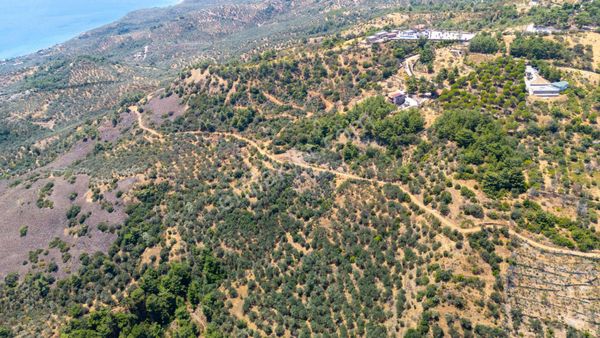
column 140, row 121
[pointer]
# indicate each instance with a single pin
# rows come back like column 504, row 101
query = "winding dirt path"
column 143, row 127
column 283, row 159
column 281, row 103
column 409, row 64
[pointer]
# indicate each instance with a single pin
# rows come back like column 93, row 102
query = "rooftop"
column 396, row 94
column 412, row 34
column 539, row 81
column 562, row 85
column 545, row 88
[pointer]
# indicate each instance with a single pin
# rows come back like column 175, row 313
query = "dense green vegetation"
column 497, row 85
column 159, row 298
column 484, row 43
column 532, row 217
column 537, row 48
column 485, row 145
column 549, row 72
column 580, row 14
column 374, row 117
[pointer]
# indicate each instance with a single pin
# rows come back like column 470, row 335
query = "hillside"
column 279, row 192
column 51, row 92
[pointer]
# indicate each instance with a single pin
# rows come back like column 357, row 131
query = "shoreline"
column 50, row 41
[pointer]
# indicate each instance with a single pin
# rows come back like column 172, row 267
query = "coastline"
column 67, row 30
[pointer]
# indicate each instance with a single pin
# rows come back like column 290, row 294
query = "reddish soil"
column 4, row 185
column 19, row 209
column 108, row 133
column 81, row 149
column 157, row 108
column 78, row 152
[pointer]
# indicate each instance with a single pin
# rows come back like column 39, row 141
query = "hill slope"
column 281, row 194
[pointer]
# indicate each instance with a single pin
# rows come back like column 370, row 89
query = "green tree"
column 483, row 43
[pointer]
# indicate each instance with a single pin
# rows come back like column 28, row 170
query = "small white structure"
column 542, row 88
column 538, row 86
column 407, row 35
column 411, row 102
column 450, row 36
column 531, row 28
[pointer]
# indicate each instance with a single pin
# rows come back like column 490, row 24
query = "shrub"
column 537, row 48
column 474, row 210
column 484, row 43
column 23, row 231
column 73, row 211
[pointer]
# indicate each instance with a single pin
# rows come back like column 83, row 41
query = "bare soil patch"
column 158, row 109
column 44, row 224
column 556, row 287
column 77, row 152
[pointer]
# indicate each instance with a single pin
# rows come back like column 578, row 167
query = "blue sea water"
column 27, row 26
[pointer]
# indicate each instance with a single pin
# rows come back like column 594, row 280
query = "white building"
column 411, row 34
column 542, row 88
column 537, row 85
column 407, row 35
column 531, row 28
column 450, row 36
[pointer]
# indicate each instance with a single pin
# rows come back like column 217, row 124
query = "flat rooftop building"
column 540, row 87
column 412, row 34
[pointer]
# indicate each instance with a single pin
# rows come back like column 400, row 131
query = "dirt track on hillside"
column 283, row 159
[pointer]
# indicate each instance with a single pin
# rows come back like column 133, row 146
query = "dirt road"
column 140, row 121
column 283, row 159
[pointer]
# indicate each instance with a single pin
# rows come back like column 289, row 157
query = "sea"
column 27, row 26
